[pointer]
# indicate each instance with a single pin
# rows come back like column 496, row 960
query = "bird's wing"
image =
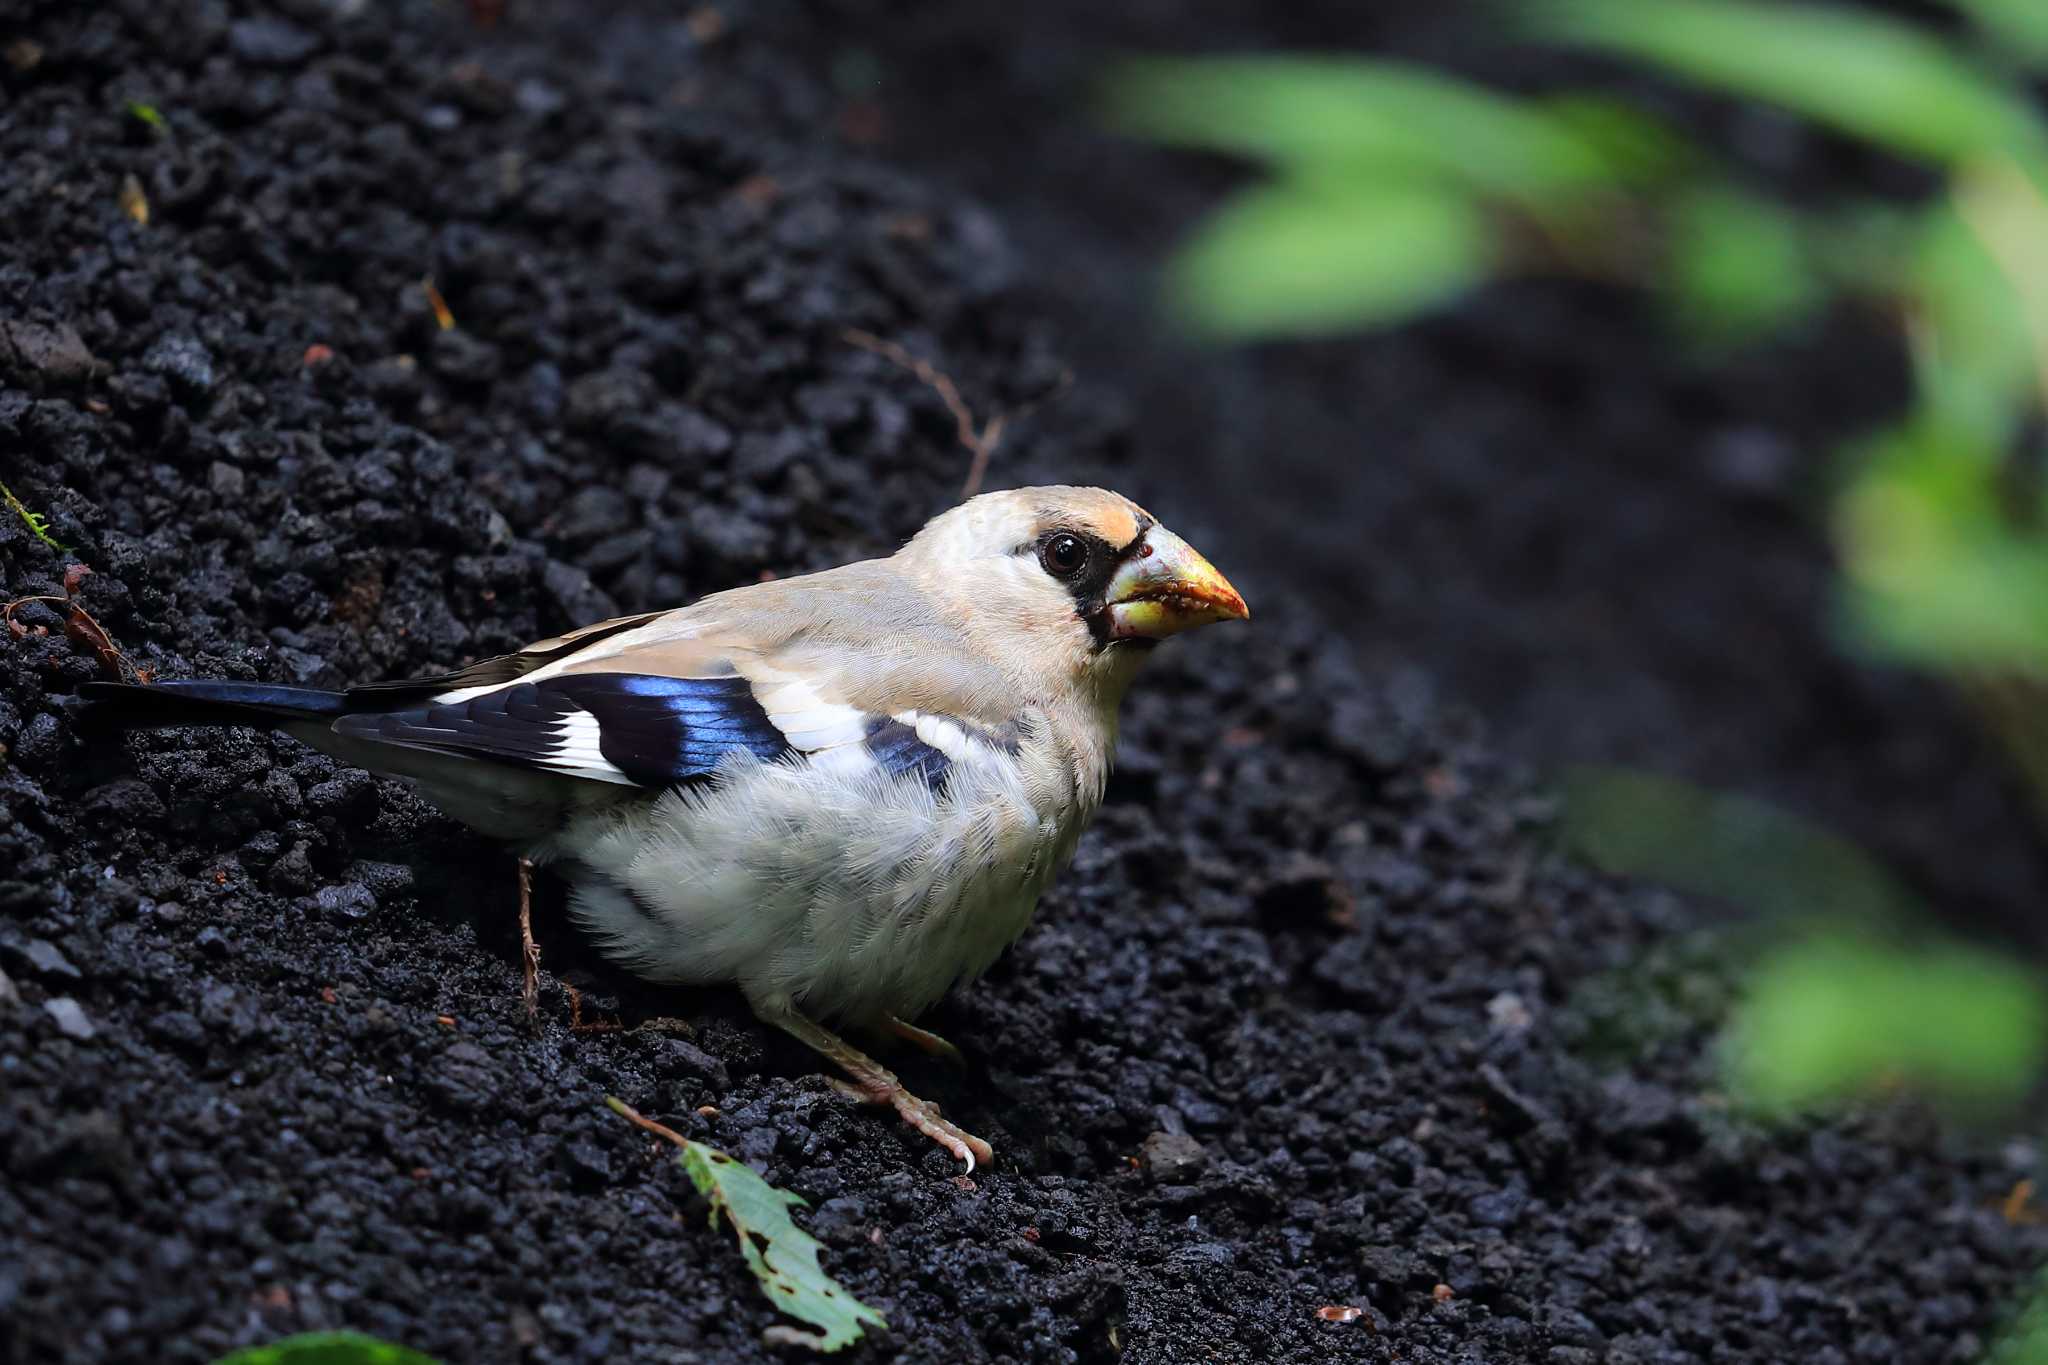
column 652, row 701
column 630, row 729
column 503, row 668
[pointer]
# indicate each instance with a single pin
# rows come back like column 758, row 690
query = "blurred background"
column 1660, row 381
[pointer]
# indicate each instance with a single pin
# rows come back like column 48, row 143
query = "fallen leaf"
column 148, row 114
column 443, row 317
column 783, row 1257
column 134, row 202
column 2015, row 1207
column 81, row 629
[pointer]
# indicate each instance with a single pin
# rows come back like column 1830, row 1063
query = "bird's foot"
column 874, row 1083
column 925, row 1041
column 924, row 1116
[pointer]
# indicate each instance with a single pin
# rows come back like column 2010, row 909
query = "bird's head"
column 1066, row 584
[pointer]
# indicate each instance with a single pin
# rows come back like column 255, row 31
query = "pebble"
column 70, row 1017
column 1170, row 1158
column 49, row 353
column 185, row 362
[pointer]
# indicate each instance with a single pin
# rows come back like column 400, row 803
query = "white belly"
column 844, row 892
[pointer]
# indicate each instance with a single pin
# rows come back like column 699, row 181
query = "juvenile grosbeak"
column 843, row 792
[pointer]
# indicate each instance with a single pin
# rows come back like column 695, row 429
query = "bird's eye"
column 1063, row 554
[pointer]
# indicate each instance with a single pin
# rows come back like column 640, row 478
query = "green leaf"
column 783, row 1257
column 1936, row 571
column 327, row 1348
column 2020, row 26
column 1636, row 149
column 38, row 525
column 149, row 114
column 2025, row 1339
column 1867, row 76
column 1748, row 853
column 1739, row 264
column 1379, row 121
column 1975, row 352
column 1306, row 257
column 1835, row 1015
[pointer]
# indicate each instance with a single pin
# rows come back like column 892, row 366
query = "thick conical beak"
column 1163, row 587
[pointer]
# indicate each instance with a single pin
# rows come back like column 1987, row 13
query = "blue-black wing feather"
column 897, row 750
column 656, row 731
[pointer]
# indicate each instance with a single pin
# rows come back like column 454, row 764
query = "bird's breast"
column 846, row 891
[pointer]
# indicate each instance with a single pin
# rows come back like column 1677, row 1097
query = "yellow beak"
column 1164, row 587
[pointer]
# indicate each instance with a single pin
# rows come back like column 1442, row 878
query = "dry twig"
column 79, row 627
column 576, row 1024
column 981, row 442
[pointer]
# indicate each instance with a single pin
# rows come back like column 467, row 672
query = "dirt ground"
column 1319, row 1017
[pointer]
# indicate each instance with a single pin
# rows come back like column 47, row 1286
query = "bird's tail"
column 123, row 706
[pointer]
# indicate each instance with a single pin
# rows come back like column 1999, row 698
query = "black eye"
column 1063, row 554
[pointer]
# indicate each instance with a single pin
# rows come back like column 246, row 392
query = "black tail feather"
column 207, row 703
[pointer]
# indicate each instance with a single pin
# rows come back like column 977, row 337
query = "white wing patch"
column 808, row 721
column 940, row 732
column 577, row 751
column 462, row 694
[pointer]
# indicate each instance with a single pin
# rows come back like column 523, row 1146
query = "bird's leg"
column 529, row 951
column 925, row 1041
column 876, row 1084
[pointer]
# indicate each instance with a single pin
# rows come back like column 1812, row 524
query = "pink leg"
column 924, row 1040
column 876, row 1084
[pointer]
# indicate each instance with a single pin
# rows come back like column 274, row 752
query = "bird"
column 844, row 792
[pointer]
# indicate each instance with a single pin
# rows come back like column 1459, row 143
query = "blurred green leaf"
column 1973, row 349
column 1305, row 257
column 1739, row 264
column 1937, row 573
column 2020, row 26
column 1831, row 1016
column 2025, row 1340
column 148, row 114
column 1636, row 149
column 1866, row 248
column 1333, row 114
column 327, row 1348
column 1748, row 853
column 1865, row 75
column 783, row 1257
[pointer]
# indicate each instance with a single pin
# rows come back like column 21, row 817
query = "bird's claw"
column 924, row 1116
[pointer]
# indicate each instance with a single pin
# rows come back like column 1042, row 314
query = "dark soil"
column 1318, row 1018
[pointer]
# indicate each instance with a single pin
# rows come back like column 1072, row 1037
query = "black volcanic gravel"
column 1317, row 1018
